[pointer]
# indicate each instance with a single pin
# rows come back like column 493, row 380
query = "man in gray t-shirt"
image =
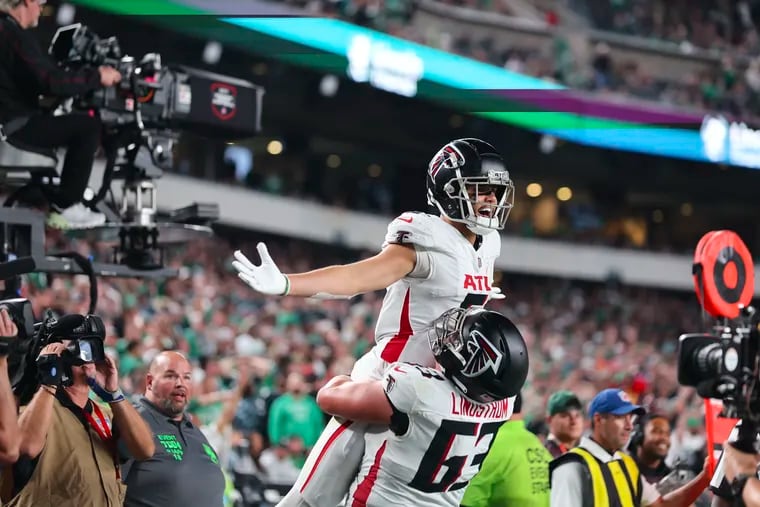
column 184, row 471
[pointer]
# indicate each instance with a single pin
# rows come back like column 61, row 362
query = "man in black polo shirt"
column 185, row 470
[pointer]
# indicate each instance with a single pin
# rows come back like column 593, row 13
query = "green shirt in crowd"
column 290, row 416
column 515, row 472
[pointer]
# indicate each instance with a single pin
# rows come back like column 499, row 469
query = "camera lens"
column 85, row 351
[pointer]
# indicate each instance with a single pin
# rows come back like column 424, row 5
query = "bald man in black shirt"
column 185, row 470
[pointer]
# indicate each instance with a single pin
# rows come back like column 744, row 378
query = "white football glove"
column 496, row 294
column 267, row 278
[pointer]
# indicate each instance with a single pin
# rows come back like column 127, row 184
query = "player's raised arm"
column 378, row 272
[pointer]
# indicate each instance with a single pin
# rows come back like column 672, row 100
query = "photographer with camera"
column 69, row 445
column 9, row 432
column 26, row 72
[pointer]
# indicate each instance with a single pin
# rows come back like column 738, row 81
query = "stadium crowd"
column 258, row 361
column 727, row 28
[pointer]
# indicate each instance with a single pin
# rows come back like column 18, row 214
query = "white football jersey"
column 442, row 442
column 450, row 273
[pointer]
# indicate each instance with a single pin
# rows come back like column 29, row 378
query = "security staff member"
column 598, row 474
column 26, row 72
column 515, row 472
column 182, row 451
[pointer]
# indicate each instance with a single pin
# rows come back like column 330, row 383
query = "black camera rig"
column 84, row 336
column 142, row 119
column 725, row 363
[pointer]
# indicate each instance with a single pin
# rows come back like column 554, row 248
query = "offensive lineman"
column 441, row 424
column 428, row 264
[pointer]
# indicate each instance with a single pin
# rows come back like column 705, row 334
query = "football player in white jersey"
column 440, row 424
column 428, row 263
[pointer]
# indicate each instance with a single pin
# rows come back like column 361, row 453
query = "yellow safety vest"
column 616, row 483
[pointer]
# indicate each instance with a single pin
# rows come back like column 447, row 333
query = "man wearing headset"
column 649, row 446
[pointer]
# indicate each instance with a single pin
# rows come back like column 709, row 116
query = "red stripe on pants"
column 365, row 487
column 330, row 441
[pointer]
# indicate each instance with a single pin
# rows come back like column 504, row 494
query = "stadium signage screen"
column 383, row 66
column 484, row 90
column 730, row 142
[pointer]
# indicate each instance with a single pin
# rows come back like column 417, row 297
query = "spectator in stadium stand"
column 295, row 413
column 182, row 451
column 565, row 419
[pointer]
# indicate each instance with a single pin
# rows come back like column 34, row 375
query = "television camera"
column 725, row 364
column 85, row 335
column 142, row 117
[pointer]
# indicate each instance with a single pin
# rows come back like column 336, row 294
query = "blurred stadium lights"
column 534, row 189
column 687, row 209
column 328, row 85
column 333, row 161
column 374, row 170
column 274, row 147
column 658, row 216
column 547, row 144
column 212, row 53
column 65, row 14
column 564, row 194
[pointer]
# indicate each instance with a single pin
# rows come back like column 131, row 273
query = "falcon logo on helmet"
column 460, row 174
column 481, row 352
column 447, row 157
column 483, row 356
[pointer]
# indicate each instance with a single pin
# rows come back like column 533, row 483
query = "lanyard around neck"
column 104, row 432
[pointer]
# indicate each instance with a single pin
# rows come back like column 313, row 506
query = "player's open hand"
column 266, row 278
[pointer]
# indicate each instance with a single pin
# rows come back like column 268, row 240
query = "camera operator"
column 69, row 447
column 737, row 473
column 9, row 433
column 736, row 476
column 26, row 72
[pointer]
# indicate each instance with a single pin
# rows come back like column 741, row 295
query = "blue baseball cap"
column 613, row 401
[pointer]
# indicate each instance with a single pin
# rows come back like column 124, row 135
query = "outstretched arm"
column 9, row 431
column 688, row 493
column 376, row 273
column 356, row 401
